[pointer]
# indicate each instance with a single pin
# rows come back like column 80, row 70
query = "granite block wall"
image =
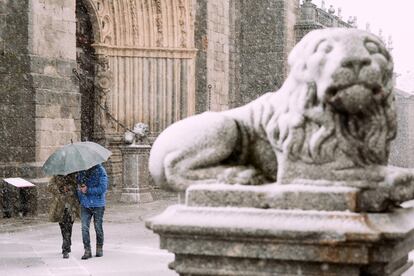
column 17, row 120
column 264, row 35
column 52, row 48
column 212, row 36
column 402, row 147
column 218, row 55
column 201, row 43
column 40, row 102
column 242, row 49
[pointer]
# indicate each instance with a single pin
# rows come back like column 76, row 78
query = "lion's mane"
column 317, row 132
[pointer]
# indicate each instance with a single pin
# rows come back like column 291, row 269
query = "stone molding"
column 103, row 84
column 136, row 149
column 128, row 22
column 126, row 51
column 311, row 225
column 274, row 196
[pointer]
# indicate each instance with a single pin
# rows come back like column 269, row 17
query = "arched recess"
column 86, row 65
column 149, row 46
column 93, row 16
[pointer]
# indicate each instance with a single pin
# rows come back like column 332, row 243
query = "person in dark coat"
column 93, row 185
column 64, row 207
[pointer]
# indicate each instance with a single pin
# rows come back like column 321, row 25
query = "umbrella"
column 75, row 157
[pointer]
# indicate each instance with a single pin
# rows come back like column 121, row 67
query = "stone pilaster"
column 265, row 38
column 41, row 102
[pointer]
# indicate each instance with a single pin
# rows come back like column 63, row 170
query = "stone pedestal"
column 136, row 188
column 283, row 230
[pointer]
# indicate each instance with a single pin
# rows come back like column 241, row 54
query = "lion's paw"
column 401, row 183
column 242, row 175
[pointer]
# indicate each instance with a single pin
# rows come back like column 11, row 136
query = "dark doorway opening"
column 86, row 61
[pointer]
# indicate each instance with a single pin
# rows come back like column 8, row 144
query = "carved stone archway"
column 149, row 45
column 86, row 68
column 146, row 68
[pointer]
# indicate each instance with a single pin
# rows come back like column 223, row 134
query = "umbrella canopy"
column 75, row 157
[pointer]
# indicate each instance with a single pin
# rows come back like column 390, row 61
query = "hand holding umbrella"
column 83, row 188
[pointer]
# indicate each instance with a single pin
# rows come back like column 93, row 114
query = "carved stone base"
column 135, row 174
column 295, row 196
column 134, row 195
column 283, row 241
column 273, row 196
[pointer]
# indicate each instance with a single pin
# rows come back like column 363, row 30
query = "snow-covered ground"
column 31, row 247
column 130, row 249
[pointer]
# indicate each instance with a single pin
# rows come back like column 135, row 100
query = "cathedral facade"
column 91, row 69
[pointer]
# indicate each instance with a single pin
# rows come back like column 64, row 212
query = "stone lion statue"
column 137, row 135
column 333, row 119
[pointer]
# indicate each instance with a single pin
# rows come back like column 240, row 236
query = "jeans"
column 86, row 216
column 66, row 230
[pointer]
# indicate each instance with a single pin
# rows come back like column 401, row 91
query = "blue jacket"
column 96, row 180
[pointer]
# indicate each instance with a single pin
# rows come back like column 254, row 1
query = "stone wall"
column 218, row 55
column 53, row 55
column 264, row 32
column 402, row 148
column 41, row 103
column 17, row 120
column 242, row 50
column 201, row 44
column 52, row 49
column 212, row 38
column 234, row 53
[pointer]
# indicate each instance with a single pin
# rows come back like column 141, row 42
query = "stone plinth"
column 211, row 237
column 136, row 187
column 357, row 198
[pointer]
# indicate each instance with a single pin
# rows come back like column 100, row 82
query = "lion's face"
column 351, row 68
column 339, row 99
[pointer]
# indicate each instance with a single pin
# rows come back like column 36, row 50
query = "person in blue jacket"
column 93, row 185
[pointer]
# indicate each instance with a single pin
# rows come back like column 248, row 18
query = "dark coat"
column 61, row 200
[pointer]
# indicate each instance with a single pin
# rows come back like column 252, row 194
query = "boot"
column 65, row 255
column 87, row 254
column 99, row 250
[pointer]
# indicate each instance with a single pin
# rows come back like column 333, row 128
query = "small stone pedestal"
column 283, row 230
column 135, row 174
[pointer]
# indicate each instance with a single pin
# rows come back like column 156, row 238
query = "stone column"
column 136, row 188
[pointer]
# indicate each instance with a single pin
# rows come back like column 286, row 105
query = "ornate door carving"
column 149, row 45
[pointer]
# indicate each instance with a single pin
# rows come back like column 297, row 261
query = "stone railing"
column 312, row 17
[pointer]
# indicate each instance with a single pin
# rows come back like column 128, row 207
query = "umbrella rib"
column 66, row 159
column 64, row 165
column 80, row 154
